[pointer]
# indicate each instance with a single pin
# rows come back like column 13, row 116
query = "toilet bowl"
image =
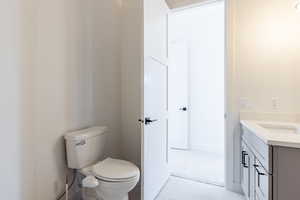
column 116, row 178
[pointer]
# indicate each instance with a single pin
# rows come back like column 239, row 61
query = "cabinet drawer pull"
column 258, row 174
column 244, row 154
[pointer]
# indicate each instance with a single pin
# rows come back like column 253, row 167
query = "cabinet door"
column 245, row 170
column 263, row 180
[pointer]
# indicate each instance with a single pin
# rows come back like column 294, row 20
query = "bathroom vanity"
column 270, row 160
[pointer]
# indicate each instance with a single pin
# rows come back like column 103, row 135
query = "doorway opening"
column 196, row 85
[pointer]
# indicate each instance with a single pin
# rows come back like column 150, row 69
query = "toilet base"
column 91, row 194
column 102, row 199
column 125, row 198
column 99, row 198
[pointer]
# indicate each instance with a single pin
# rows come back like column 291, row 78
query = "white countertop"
column 274, row 138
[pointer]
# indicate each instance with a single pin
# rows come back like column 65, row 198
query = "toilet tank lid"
column 85, row 133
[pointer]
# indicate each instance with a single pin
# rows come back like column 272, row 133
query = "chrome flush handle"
column 81, row 143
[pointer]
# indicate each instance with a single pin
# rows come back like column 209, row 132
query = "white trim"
column 175, row 4
column 142, row 115
column 232, row 143
column 195, row 5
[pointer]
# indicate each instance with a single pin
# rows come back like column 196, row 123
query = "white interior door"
column 178, row 95
column 155, row 134
column 155, row 128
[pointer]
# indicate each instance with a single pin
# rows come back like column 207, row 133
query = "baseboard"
column 235, row 187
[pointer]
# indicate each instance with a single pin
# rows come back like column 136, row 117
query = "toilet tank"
column 85, row 147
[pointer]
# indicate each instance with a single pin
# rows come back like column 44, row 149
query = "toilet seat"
column 115, row 170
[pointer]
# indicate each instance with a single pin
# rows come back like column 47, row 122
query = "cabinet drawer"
column 263, row 182
column 261, row 150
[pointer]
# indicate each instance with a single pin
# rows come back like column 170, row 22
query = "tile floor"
column 207, row 167
column 182, row 189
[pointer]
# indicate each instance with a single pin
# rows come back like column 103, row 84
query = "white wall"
column 60, row 70
column 77, row 81
column 132, row 26
column 58, row 86
column 27, row 100
column 267, row 56
column 105, row 55
column 11, row 118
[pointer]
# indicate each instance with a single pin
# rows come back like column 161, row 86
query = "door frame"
column 232, row 133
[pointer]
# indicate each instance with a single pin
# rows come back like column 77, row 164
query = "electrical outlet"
column 275, row 103
column 244, row 103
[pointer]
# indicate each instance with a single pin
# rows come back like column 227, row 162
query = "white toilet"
column 85, row 152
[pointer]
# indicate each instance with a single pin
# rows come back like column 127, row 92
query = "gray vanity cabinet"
column 286, row 176
column 269, row 172
column 256, row 167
